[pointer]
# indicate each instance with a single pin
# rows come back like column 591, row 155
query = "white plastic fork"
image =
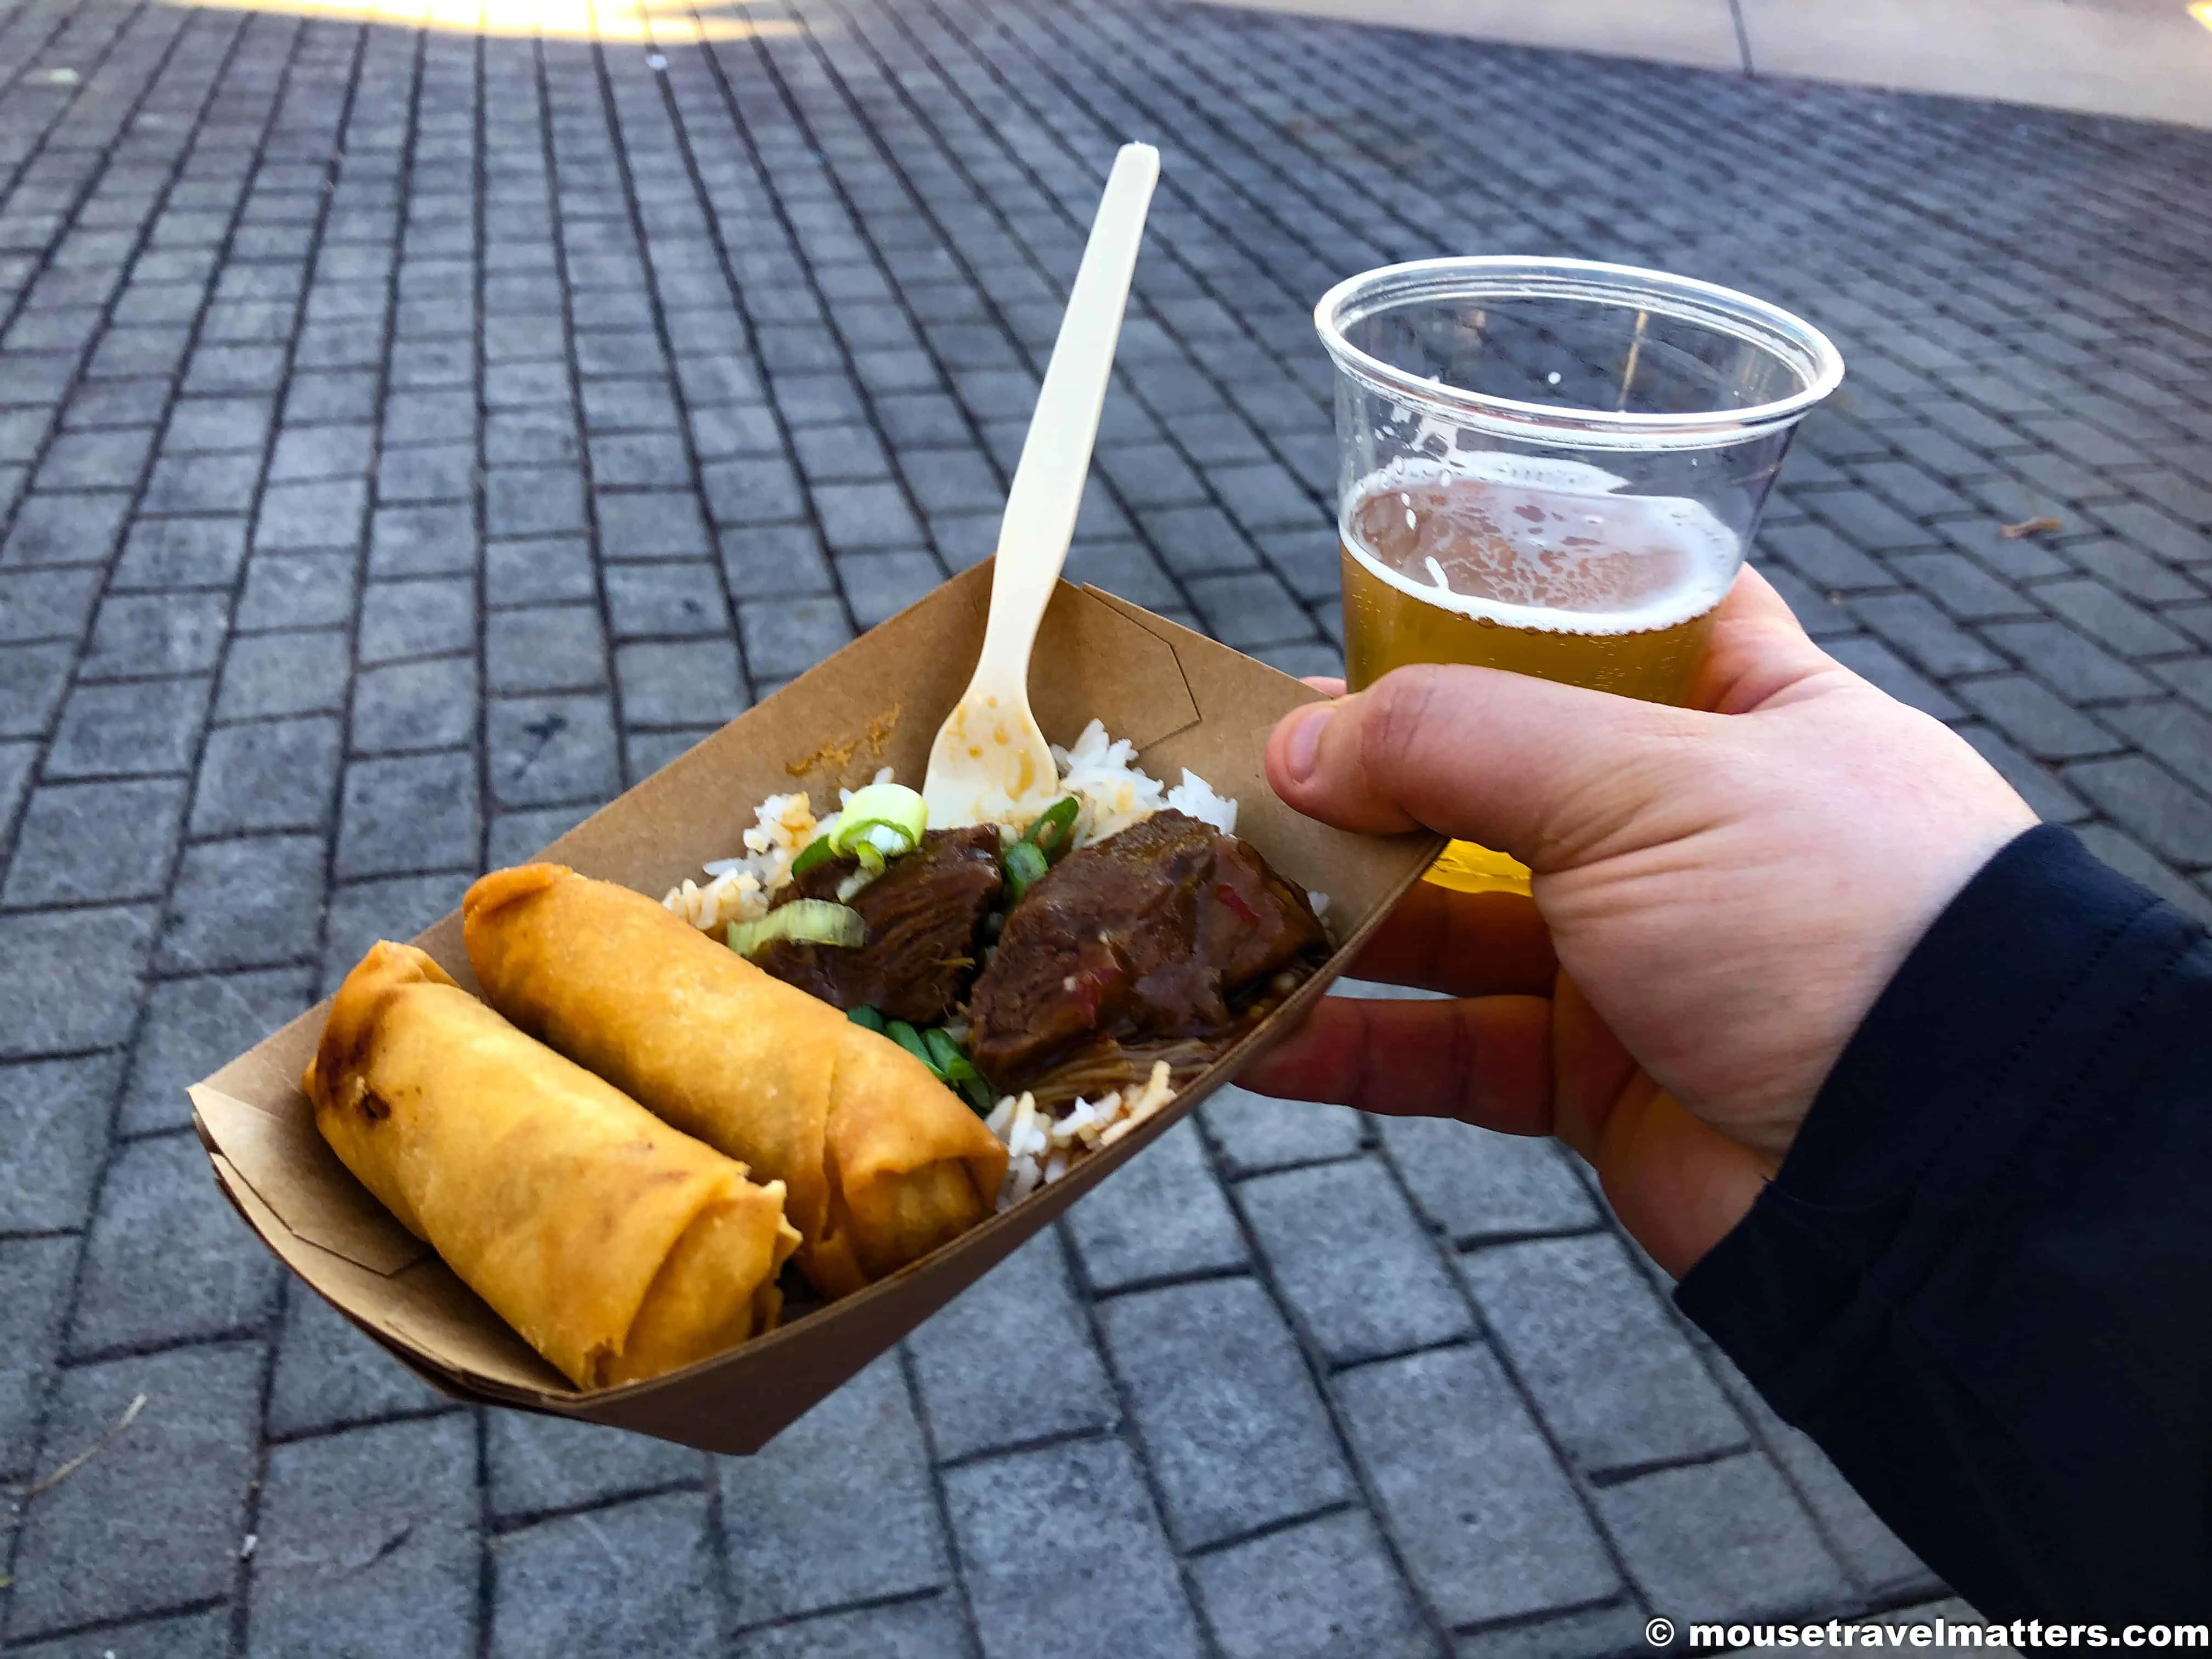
column 991, row 763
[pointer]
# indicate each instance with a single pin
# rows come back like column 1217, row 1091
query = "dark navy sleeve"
column 1982, row 1279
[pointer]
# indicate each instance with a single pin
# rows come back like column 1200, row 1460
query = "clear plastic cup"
column 1553, row 466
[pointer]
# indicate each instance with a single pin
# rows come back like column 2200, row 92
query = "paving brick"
column 54, row 1114
column 538, row 1464
column 1617, row 1628
column 35, row 1276
column 1334, row 1236
column 637, row 1578
column 1161, row 1216
column 837, row 1509
column 1875, row 1558
column 1255, row 1132
column 157, row 1518
column 425, row 540
column 395, row 908
column 365, row 1543
column 1323, row 1590
column 176, row 553
column 2168, row 730
column 328, row 1374
column 51, row 529
column 1484, row 1519
column 2051, row 799
column 1614, row 1377
column 404, row 619
column 1011, row 1360
column 166, row 1260
column 191, row 1027
column 2036, row 719
column 1963, row 587
column 675, row 600
column 517, row 837
column 1923, row 633
column 2110, row 619
column 881, row 585
column 1083, row 1507
column 2132, row 571
column 293, row 673
column 1249, row 611
column 785, row 637
column 768, row 561
column 539, row 571
column 546, row 749
column 691, row 683
column 71, row 979
column 2149, row 802
column 2150, row 528
column 2069, row 663
column 82, row 842
column 145, row 726
column 1472, row 1184
column 1876, row 662
column 304, row 454
column 1822, row 557
column 1196, row 541
column 407, row 813
column 299, row 591
column 1725, row 1535
column 33, row 678
column 1232, row 1426
column 1121, row 567
column 46, row 604
column 651, row 525
column 928, row 1629
column 270, row 774
column 305, row 517
column 545, row 648
column 138, row 636
column 427, row 703
column 244, row 904
column 2142, row 866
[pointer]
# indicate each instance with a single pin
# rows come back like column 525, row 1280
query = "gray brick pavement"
column 406, row 439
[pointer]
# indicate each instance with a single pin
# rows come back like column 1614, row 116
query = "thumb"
column 1530, row 767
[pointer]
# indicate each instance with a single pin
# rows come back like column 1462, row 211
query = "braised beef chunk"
column 1149, row 934
column 924, row 917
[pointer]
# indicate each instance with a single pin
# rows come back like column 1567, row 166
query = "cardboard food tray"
column 1182, row 699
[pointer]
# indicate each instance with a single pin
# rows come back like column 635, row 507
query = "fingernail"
column 1304, row 746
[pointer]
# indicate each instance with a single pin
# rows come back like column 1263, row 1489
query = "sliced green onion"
column 870, row 855
column 803, row 922
column 1054, row 832
column 818, row 851
column 945, row 1053
column 958, row 1070
column 910, row 1040
column 1026, row 863
column 866, row 1018
column 891, row 806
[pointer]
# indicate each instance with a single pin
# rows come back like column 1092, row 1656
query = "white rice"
column 1039, row 1148
column 1100, row 771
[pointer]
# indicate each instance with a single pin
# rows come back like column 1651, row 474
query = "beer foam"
column 1545, row 545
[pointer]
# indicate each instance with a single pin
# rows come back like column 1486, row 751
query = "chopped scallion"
column 910, row 1040
column 803, row 922
column 1026, row 863
column 866, row 1018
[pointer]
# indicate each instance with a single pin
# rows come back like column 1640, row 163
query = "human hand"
column 1721, row 892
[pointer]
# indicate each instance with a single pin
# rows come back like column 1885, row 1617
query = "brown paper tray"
column 1182, row 699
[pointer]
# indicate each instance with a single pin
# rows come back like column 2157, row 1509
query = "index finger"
column 1465, row 945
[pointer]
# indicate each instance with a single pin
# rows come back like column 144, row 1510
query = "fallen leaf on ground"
column 2013, row 533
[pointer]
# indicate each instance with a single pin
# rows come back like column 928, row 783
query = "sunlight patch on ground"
column 662, row 22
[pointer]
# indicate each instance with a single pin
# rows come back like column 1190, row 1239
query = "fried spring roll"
column 882, row 1163
column 618, row 1247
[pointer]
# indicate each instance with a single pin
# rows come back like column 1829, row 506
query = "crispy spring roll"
column 619, row 1247
column 883, row 1162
